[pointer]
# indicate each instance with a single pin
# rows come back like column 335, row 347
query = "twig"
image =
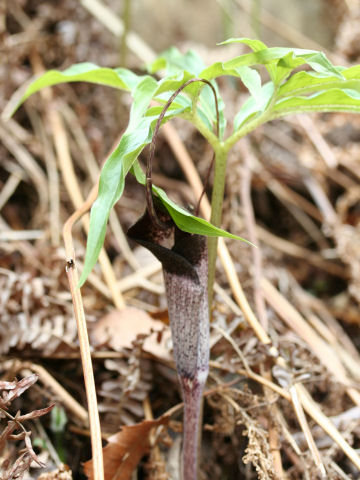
column 248, row 214
column 314, row 411
column 94, row 420
column 126, row 15
column 20, row 235
column 9, row 188
column 311, row 130
column 53, row 186
column 305, row 428
column 115, row 25
column 297, row 251
column 256, row 377
column 29, row 164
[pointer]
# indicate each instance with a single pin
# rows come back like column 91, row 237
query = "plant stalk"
column 192, row 394
column 221, row 154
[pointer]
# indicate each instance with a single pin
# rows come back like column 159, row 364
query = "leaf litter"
column 308, row 232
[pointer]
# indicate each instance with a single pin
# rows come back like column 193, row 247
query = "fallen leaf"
column 120, row 328
column 125, row 450
column 162, row 315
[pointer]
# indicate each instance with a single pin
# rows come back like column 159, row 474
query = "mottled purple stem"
column 192, row 395
column 185, row 268
column 189, row 321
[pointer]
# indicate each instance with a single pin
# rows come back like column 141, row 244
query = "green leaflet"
column 280, row 61
column 252, row 81
column 256, row 46
column 190, row 65
column 174, row 62
column 143, row 93
column 184, row 219
column 307, row 82
column 81, row 72
column 333, row 100
column 254, row 106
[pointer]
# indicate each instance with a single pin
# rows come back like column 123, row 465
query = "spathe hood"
column 184, row 260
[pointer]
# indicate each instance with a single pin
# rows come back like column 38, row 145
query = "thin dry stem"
column 115, row 25
column 94, row 420
column 29, row 164
column 305, row 428
column 249, row 218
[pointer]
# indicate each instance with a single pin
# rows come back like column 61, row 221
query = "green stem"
column 217, row 198
column 265, row 116
column 201, row 127
column 248, row 127
column 221, row 153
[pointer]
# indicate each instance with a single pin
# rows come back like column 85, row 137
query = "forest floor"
column 299, row 177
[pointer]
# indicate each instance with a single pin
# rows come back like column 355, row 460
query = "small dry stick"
column 305, row 428
column 71, row 270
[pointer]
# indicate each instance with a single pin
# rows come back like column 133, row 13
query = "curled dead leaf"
column 13, row 390
column 125, row 450
column 120, row 328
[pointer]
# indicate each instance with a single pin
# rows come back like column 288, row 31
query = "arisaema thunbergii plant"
column 288, row 89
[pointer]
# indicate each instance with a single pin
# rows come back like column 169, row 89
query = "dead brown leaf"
column 120, row 328
column 125, row 449
column 15, row 389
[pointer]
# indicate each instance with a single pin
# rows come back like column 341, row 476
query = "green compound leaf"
column 326, row 88
column 280, row 61
column 82, row 72
column 184, row 219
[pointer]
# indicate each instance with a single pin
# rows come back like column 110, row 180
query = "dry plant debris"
column 15, row 431
column 125, row 449
column 303, row 178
